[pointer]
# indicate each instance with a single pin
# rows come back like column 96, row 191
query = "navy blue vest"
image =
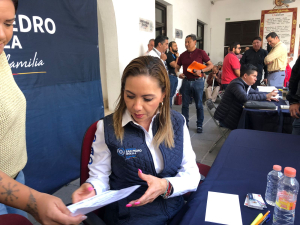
column 134, row 154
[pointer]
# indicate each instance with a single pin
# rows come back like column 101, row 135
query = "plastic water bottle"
column 288, row 187
column 272, row 184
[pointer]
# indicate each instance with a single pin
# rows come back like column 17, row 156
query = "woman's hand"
column 85, row 191
column 156, row 187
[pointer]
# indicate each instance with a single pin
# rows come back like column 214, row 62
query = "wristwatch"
column 201, row 71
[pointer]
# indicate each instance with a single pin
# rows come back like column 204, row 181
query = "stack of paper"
column 223, row 208
column 266, row 88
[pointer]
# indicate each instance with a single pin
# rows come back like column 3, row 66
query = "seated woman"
column 213, row 84
column 142, row 143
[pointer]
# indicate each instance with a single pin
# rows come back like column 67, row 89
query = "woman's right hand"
column 85, row 191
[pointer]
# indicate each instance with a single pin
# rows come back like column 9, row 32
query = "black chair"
column 223, row 131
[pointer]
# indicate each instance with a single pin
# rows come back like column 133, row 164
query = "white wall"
column 185, row 16
column 181, row 15
column 130, row 39
column 239, row 10
column 109, row 52
column 132, row 42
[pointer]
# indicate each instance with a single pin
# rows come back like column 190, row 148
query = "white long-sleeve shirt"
column 155, row 53
column 186, row 180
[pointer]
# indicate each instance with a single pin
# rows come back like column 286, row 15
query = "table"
column 267, row 120
column 241, row 167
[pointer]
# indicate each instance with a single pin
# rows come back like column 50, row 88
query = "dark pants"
column 224, row 86
column 195, row 89
column 173, row 86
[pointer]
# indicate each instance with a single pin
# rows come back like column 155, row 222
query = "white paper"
column 223, row 209
column 98, row 201
column 266, row 88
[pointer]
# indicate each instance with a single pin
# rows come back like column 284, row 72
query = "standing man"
column 193, row 83
column 231, row 65
column 276, row 61
column 150, row 46
column 161, row 46
column 172, row 58
column 294, row 96
column 256, row 56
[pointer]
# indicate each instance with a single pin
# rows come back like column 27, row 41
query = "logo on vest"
column 121, row 151
column 129, row 152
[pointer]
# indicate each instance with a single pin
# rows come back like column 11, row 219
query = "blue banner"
column 54, row 57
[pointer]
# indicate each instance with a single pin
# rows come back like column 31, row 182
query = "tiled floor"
column 201, row 144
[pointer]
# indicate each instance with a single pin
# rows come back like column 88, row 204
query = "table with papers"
column 267, row 120
column 241, row 167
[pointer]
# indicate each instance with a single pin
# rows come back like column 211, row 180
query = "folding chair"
column 223, row 131
column 221, row 94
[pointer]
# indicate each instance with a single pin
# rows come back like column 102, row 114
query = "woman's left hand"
column 156, row 187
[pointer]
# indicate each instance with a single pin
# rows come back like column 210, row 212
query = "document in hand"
column 195, row 66
column 100, row 200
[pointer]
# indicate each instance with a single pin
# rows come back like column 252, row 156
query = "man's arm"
column 219, row 77
column 237, row 72
column 275, row 53
column 235, row 65
column 172, row 61
column 45, row 208
column 266, row 68
column 209, row 66
column 239, row 92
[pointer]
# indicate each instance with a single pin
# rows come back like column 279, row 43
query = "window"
column 200, row 35
column 242, row 32
column 160, row 19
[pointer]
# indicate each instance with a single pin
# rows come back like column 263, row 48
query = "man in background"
column 231, row 65
column 276, row 61
column 213, row 84
column 293, row 96
column 161, row 45
column 238, row 92
column 193, row 83
column 256, row 56
column 150, row 46
column 172, row 58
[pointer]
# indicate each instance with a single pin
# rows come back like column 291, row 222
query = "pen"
column 257, row 219
column 265, row 220
column 267, row 213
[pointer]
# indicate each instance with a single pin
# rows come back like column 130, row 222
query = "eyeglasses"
column 239, row 48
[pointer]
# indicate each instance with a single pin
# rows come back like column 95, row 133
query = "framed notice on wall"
column 281, row 21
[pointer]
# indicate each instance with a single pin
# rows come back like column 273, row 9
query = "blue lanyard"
column 174, row 56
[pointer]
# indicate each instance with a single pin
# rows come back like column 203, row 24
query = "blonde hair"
column 153, row 67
